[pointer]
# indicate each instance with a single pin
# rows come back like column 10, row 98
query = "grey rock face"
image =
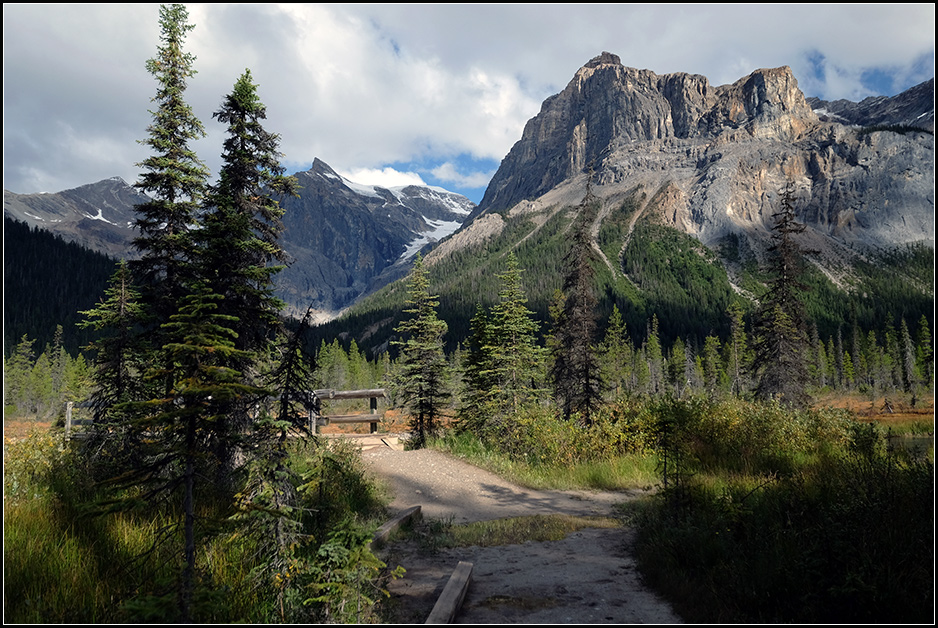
column 98, row 215
column 343, row 239
column 914, row 107
column 712, row 161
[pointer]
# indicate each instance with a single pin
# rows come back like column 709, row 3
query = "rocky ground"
column 587, row 578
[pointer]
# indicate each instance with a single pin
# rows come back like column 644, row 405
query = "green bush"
column 845, row 534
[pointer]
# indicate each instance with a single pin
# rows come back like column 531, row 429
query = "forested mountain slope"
column 46, row 282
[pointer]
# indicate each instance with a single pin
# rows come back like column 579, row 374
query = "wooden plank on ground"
column 353, row 418
column 453, row 595
column 385, row 531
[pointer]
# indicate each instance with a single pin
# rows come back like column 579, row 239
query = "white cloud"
column 448, row 173
column 364, row 86
column 383, row 177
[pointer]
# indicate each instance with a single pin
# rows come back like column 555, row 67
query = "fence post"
column 373, row 406
column 68, row 419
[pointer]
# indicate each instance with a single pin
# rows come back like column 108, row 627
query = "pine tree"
column 739, row 359
column 781, row 341
column 677, row 363
column 924, row 354
column 615, row 354
column 910, row 377
column 192, row 418
column 120, row 350
column 173, row 176
column 502, row 363
column 576, row 373
column 713, row 367
column 654, row 357
column 420, row 383
column 16, row 376
column 238, row 239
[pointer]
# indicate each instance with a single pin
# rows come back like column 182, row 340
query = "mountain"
column 346, row 239
column 715, row 158
column 343, row 238
column 98, row 216
column 913, row 108
column 686, row 177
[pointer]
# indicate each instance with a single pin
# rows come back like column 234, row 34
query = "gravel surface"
column 587, row 578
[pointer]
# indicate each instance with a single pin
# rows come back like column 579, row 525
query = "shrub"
column 844, row 535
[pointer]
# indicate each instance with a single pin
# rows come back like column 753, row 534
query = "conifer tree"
column 654, row 357
column 237, row 243
column 738, row 350
column 713, row 367
column 174, row 177
column 576, row 374
column 420, row 382
column 781, row 340
column 120, row 350
column 193, row 416
column 16, row 375
column 502, row 362
column 924, row 355
column 910, row 376
column 677, row 363
column 615, row 353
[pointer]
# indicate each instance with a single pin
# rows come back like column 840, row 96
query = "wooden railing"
column 313, row 400
column 321, row 420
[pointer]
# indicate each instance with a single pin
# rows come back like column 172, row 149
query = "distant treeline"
column 46, row 282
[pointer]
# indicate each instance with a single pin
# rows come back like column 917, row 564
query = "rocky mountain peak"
column 607, row 106
column 710, row 161
column 603, row 59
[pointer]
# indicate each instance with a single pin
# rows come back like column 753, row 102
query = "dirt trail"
column 587, row 578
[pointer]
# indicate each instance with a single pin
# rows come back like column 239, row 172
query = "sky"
column 394, row 94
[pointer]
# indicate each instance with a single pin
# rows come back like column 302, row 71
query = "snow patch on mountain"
column 439, row 229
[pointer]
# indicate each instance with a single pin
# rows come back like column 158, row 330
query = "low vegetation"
column 510, row 531
column 760, row 514
column 67, row 562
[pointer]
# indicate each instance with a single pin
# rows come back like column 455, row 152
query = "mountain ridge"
column 716, row 159
column 343, row 238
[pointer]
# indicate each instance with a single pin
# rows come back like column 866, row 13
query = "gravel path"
column 587, row 578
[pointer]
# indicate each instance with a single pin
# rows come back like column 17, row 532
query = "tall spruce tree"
column 237, row 244
column 420, row 382
column 193, row 416
column 924, row 354
column 576, row 372
column 616, row 355
column 174, row 177
column 781, row 340
column 503, row 362
column 120, row 353
column 738, row 354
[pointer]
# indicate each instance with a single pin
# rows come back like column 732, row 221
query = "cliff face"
column 712, row 160
column 343, row 239
column 346, row 239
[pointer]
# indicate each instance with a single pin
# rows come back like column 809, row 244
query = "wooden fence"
column 312, row 399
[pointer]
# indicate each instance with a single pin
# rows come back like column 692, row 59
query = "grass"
column 63, row 565
column 508, row 531
column 625, row 472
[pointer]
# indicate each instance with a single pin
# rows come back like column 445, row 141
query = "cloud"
column 441, row 89
column 449, row 173
column 383, row 177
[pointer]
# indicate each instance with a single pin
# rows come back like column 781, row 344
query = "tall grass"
column 762, row 514
column 65, row 564
column 789, row 517
column 616, row 473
